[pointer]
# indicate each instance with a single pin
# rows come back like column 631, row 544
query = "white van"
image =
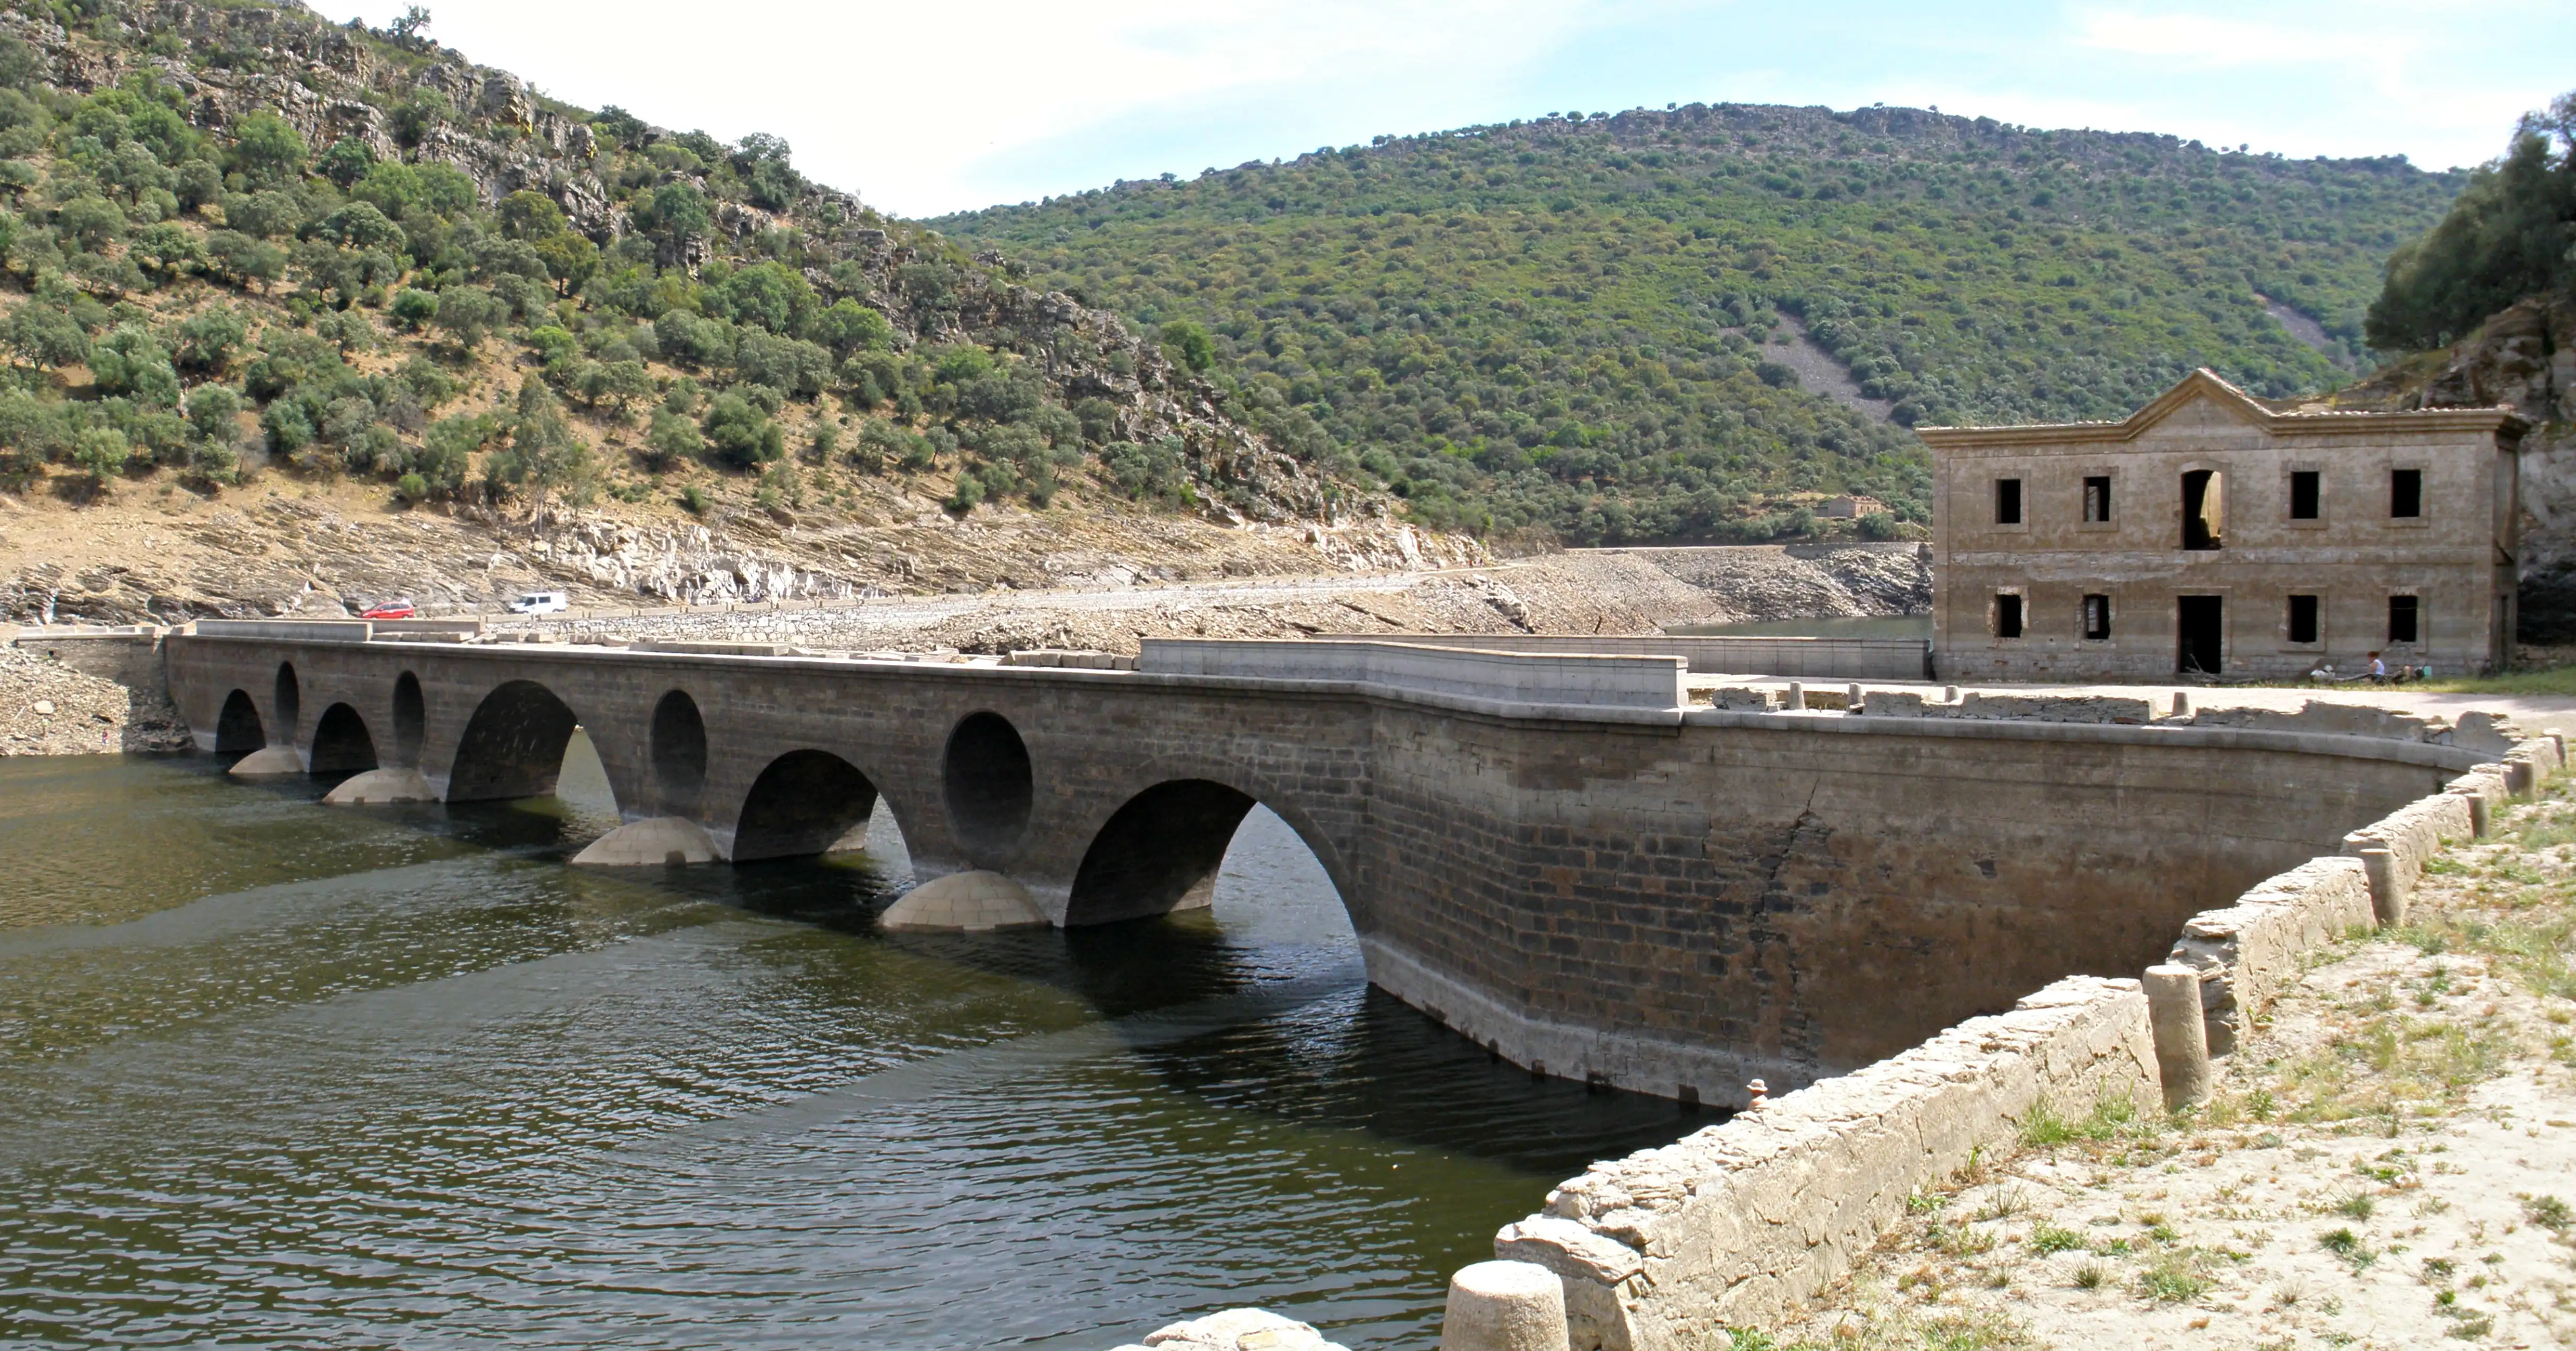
column 541, row 603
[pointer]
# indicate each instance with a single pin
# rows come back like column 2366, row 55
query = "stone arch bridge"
column 1551, row 854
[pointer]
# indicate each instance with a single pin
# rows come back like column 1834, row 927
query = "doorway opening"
column 2200, row 628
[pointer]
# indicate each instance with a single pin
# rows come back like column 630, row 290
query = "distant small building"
column 1851, row 507
column 2213, row 532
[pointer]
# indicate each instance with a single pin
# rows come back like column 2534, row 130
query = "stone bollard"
column 1851, row 700
column 1795, row 699
column 2182, row 704
column 2182, row 1037
column 1949, row 694
column 1504, row 1306
column 2521, row 775
column 2388, row 884
column 2481, row 813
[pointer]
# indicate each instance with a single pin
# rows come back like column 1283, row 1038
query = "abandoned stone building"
column 2214, row 532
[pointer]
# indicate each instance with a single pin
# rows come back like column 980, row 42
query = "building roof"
column 2204, row 384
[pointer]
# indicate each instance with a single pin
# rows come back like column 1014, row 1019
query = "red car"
column 392, row 609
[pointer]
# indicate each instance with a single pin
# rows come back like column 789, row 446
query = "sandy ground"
column 2391, row 1162
column 2535, row 712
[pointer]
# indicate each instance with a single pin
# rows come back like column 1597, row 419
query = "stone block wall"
column 1741, row 1222
column 2245, row 952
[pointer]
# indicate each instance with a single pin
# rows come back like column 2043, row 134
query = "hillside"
column 260, row 274
column 1665, row 325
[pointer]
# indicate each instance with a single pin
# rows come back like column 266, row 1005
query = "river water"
column 275, row 1074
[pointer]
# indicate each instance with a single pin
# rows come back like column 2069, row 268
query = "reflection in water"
column 279, row 1075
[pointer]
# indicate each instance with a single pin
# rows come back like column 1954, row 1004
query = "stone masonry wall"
column 1742, row 1221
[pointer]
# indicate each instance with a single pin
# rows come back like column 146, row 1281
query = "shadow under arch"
column 1160, row 852
column 805, row 802
column 237, row 728
column 341, row 742
column 288, row 703
column 513, row 745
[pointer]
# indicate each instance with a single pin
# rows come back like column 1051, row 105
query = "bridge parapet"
column 1590, row 679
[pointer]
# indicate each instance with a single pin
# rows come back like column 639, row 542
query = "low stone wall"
column 1731, row 654
column 1652, row 682
column 2245, row 952
column 1740, row 1222
column 2010, row 707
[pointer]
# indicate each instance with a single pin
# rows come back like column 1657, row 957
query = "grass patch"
column 2046, row 1238
column 2347, row 1245
column 2177, row 1277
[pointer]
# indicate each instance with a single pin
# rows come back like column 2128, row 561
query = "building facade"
column 2212, row 533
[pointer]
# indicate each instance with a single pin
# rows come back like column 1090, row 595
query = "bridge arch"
column 678, row 752
column 237, row 728
column 411, row 720
column 986, row 780
column 286, row 704
column 341, row 743
column 513, row 746
column 1160, row 850
column 804, row 802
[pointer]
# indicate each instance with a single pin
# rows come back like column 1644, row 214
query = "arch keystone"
column 660, row 841
column 968, row 902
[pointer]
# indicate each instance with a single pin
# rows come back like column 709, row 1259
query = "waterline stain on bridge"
column 285, row 1076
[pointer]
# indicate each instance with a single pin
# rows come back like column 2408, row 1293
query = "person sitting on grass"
column 2378, row 670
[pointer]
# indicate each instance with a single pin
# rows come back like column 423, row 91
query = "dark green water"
column 275, row 1074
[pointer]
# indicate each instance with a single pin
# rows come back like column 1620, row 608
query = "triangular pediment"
column 2201, row 401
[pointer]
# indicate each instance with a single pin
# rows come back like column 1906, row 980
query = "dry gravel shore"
column 47, row 708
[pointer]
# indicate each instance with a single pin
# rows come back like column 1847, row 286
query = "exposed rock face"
column 2525, row 359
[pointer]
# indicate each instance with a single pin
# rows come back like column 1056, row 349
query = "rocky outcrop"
column 50, row 708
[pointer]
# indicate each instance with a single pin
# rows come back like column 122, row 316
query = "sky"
column 927, row 108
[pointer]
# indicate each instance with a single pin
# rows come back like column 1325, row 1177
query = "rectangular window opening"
column 2405, row 619
column 2303, row 494
column 2405, row 493
column 2097, row 617
column 2097, row 500
column 2204, row 509
column 2007, row 501
column 2007, row 615
column 2303, row 619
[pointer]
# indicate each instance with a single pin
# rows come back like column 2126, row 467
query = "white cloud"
column 904, row 102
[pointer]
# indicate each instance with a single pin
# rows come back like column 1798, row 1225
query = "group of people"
column 2378, row 674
